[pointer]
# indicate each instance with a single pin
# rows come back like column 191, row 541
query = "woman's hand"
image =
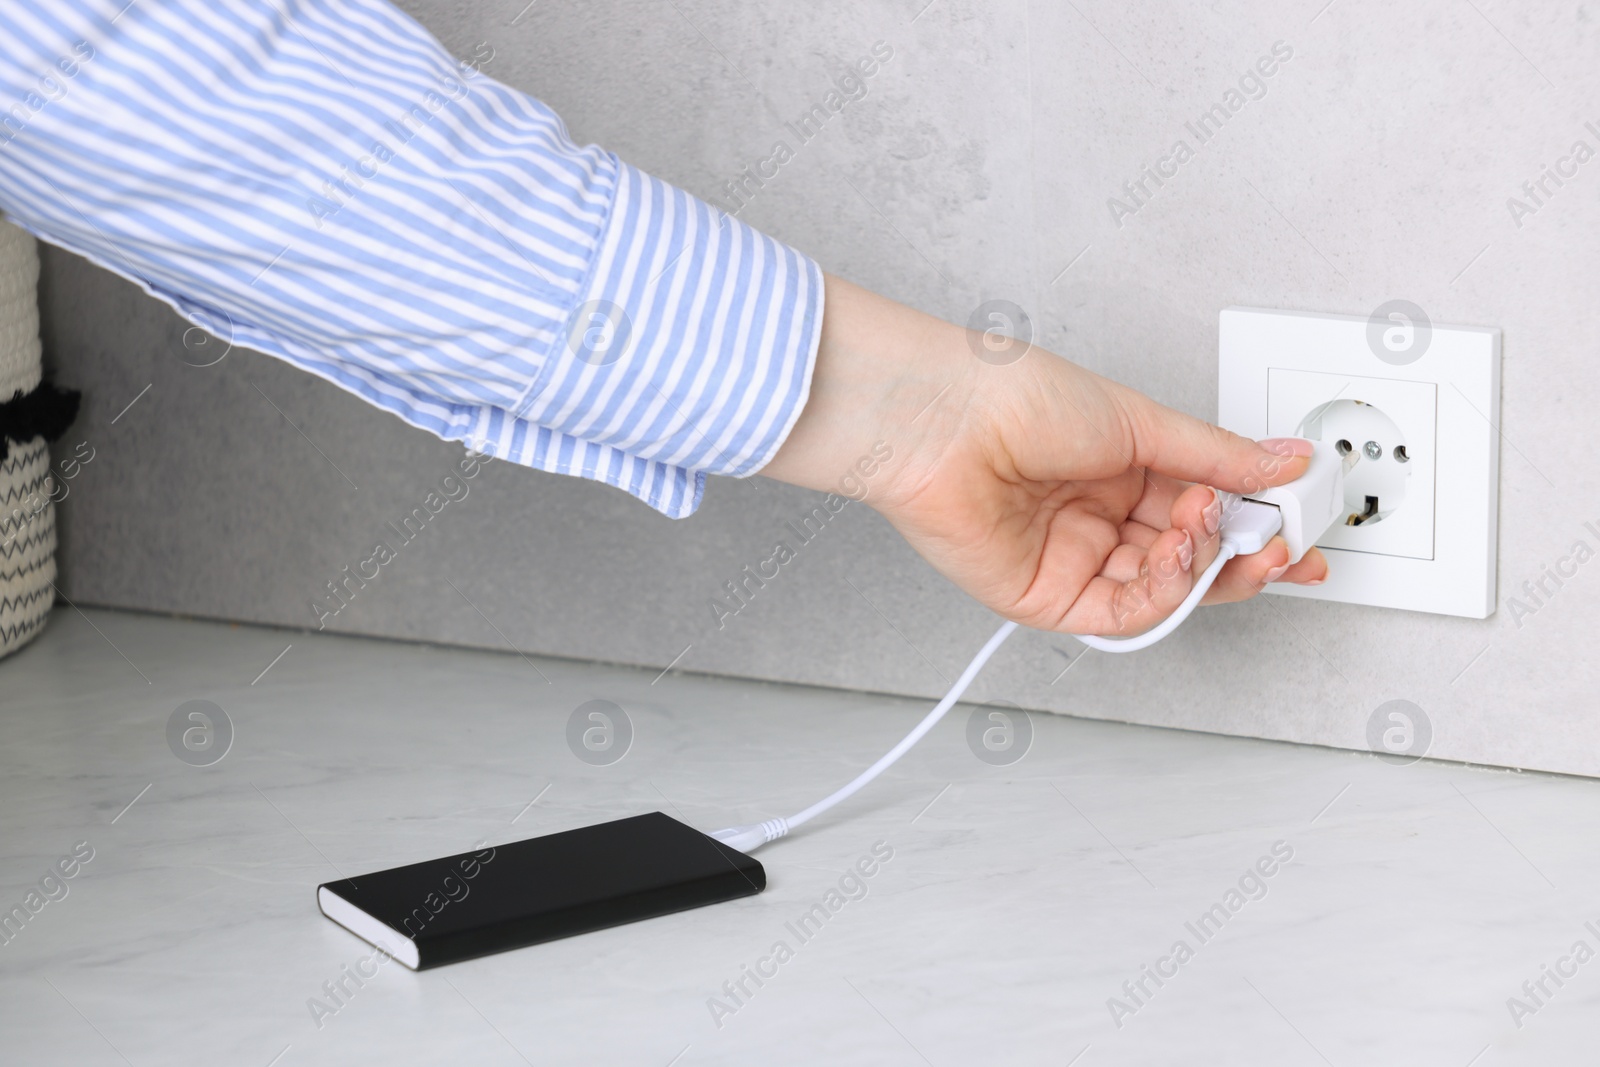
column 1057, row 498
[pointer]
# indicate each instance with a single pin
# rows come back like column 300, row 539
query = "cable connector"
column 752, row 835
column 1247, row 525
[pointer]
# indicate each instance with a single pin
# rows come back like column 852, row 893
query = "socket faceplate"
column 1440, row 385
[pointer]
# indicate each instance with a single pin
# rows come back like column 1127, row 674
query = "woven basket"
column 27, row 514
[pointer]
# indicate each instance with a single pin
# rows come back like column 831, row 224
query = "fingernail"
column 1275, row 573
column 1186, row 551
column 1288, row 446
column 1212, row 516
column 1314, row 581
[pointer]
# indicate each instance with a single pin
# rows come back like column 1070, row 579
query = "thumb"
column 1185, row 447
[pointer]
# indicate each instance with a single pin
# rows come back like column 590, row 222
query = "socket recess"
column 1416, row 402
column 1363, row 411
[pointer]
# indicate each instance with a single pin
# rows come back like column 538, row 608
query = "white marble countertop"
column 1018, row 900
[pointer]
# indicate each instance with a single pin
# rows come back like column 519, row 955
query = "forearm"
column 885, row 375
column 327, row 185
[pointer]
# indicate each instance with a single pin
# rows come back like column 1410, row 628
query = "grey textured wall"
column 979, row 164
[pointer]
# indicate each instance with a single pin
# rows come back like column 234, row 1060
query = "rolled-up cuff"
column 689, row 351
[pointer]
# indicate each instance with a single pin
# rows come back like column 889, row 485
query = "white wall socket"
column 1419, row 404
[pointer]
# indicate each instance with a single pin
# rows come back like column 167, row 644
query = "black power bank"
column 504, row 897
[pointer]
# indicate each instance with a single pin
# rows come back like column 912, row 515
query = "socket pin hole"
column 1400, row 454
column 1368, row 513
column 1342, row 446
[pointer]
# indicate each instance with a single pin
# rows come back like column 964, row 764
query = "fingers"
column 1198, row 511
column 1194, row 509
column 1244, row 577
column 1172, row 559
column 1126, row 561
column 1182, row 446
column 1163, row 580
column 1147, row 576
column 1158, row 493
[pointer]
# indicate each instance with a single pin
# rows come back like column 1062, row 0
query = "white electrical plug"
column 1311, row 503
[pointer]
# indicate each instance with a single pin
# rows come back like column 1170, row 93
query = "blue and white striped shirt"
column 321, row 181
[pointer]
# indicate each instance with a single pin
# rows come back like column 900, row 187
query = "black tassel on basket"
column 45, row 412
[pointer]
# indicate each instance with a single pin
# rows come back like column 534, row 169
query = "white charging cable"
column 1302, row 511
column 1247, row 526
column 745, row 838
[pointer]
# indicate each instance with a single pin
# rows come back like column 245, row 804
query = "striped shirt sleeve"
column 319, row 180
